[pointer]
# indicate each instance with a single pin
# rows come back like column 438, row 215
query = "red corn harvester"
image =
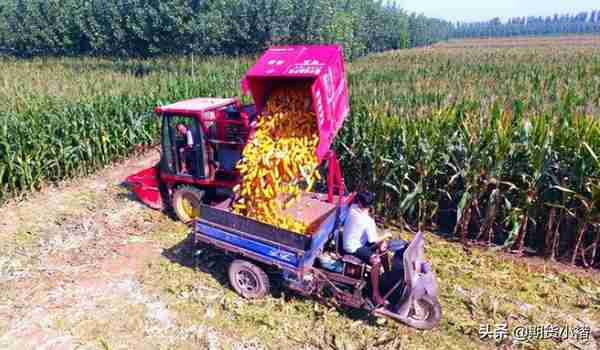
column 202, row 139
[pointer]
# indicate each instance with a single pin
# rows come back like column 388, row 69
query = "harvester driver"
column 360, row 238
column 185, row 132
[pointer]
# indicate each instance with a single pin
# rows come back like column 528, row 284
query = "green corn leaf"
column 563, row 189
column 411, row 199
column 392, row 187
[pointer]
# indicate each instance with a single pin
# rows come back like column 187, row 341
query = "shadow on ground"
column 214, row 262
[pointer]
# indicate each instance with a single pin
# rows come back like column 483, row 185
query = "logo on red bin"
column 305, row 69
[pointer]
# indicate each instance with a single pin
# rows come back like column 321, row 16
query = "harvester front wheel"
column 248, row 280
column 186, row 203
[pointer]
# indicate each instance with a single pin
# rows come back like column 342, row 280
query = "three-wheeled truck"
column 316, row 265
column 313, row 264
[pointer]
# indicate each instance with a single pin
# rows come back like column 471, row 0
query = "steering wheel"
column 384, row 244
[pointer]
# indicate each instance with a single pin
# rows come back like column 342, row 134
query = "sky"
column 476, row 10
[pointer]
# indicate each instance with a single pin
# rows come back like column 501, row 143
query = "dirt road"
column 70, row 270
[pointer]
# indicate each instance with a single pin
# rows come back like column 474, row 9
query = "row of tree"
column 582, row 22
column 230, row 27
column 152, row 27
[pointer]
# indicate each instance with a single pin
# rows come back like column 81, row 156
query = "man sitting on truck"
column 361, row 240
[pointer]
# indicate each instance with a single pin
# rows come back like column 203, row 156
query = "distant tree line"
column 230, row 27
column 145, row 28
column 425, row 31
column 582, row 22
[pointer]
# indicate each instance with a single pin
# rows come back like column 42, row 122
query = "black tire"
column 431, row 316
column 186, row 203
column 248, row 280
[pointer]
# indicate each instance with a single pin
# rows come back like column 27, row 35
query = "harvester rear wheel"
column 186, row 203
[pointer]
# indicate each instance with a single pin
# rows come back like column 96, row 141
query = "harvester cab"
column 202, row 139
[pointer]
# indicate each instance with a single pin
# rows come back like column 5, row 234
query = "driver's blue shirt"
column 359, row 230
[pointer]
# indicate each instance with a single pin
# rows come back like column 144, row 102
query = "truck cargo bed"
column 233, row 232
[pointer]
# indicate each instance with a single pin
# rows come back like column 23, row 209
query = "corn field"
column 66, row 117
column 498, row 146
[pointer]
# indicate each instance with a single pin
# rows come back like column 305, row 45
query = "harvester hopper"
column 320, row 65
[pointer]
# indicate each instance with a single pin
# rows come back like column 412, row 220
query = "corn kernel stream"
column 280, row 159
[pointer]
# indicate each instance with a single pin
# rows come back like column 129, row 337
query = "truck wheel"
column 186, row 203
column 248, row 280
column 425, row 313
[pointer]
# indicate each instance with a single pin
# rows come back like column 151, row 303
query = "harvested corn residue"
column 280, row 160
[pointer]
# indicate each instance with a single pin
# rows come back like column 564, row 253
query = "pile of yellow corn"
column 280, row 160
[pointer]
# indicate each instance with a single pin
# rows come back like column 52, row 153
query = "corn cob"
column 280, row 159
